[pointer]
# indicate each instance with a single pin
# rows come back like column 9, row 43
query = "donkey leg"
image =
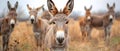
column 36, row 38
column 5, row 42
column 83, row 35
column 89, row 33
column 107, row 33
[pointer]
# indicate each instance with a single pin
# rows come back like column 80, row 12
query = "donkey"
column 58, row 36
column 8, row 24
column 46, row 15
column 39, row 26
column 85, row 21
column 104, row 21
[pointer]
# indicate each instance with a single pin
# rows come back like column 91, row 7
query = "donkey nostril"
column 88, row 20
column 111, row 20
column 60, row 40
column 12, row 25
column 32, row 20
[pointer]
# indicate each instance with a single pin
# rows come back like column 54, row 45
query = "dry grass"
column 22, row 39
column 97, row 42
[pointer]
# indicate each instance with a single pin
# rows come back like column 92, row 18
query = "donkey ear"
column 108, row 6
column 51, row 7
column 85, row 8
column 29, row 8
column 9, row 5
column 90, row 7
column 69, row 7
column 39, row 8
column 114, row 5
column 16, row 5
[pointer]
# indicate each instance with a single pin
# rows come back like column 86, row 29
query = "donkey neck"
column 36, row 27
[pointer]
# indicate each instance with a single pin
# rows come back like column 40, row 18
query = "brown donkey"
column 39, row 26
column 104, row 21
column 84, row 22
column 8, row 24
column 57, row 37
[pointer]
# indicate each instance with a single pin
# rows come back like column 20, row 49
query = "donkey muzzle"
column 111, row 20
column 88, row 18
column 12, row 25
column 32, row 21
column 60, row 40
column 60, row 36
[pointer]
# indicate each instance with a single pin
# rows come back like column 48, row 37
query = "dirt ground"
column 22, row 39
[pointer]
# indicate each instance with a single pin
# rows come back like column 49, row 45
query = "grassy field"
column 22, row 39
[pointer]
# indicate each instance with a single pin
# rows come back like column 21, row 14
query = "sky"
column 98, row 5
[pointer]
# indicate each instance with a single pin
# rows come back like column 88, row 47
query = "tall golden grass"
column 22, row 38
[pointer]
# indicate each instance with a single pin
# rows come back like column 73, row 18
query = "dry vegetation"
column 97, row 42
column 22, row 38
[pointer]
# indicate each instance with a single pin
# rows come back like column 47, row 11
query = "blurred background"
column 98, row 6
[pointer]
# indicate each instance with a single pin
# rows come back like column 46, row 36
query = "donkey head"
column 111, row 11
column 12, row 13
column 111, row 8
column 60, row 20
column 33, row 13
column 88, row 12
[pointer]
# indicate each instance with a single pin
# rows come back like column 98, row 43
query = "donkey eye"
column 53, row 22
column 51, row 9
column 69, row 9
column 67, row 22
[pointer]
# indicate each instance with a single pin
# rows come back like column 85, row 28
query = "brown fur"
column 84, row 23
